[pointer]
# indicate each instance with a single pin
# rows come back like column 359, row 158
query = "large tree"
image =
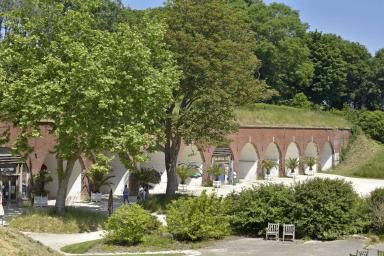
column 100, row 90
column 214, row 48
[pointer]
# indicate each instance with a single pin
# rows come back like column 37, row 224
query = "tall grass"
column 273, row 115
column 73, row 220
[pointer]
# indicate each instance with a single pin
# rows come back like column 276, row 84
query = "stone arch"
column 272, row 152
column 156, row 160
column 311, row 151
column 327, row 156
column 74, row 184
column 194, row 158
column 292, row 152
column 248, row 162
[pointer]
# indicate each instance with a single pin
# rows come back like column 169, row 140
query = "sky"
column 355, row 20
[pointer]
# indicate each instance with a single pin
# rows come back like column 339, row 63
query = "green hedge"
column 197, row 218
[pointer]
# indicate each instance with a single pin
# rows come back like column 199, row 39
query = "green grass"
column 365, row 159
column 13, row 243
column 283, row 116
column 158, row 203
column 74, row 220
column 153, row 242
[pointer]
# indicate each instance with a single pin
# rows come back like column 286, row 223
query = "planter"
column 182, row 187
column 95, row 197
column 291, row 174
column 40, row 201
column 216, row 183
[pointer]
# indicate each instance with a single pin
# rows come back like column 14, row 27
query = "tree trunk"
column 172, row 148
column 63, row 178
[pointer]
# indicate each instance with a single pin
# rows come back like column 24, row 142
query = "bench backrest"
column 289, row 228
column 273, row 227
column 362, row 253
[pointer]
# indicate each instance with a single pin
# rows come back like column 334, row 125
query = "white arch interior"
column 292, row 152
column 310, row 151
column 272, row 153
column 157, row 161
column 192, row 156
column 248, row 162
column 74, row 184
column 326, row 157
column 120, row 179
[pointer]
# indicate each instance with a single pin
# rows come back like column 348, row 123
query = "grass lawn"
column 13, row 243
column 45, row 220
column 154, row 242
column 365, row 159
column 283, row 116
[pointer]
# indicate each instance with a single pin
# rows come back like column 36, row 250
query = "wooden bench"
column 363, row 252
column 272, row 230
column 289, row 230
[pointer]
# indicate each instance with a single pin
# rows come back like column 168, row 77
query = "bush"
column 300, row 100
column 326, row 209
column 372, row 123
column 128, row 225
column 252, row 209
column 376, row 209
column 197, row 218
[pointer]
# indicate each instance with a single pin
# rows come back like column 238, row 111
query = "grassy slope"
column 364, row 159
column 273, row 115
column 14, row 243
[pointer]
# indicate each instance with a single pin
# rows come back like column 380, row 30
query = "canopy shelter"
column 223, row 157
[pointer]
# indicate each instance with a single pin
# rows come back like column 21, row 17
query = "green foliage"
column 41, row 179
column 128, row 225
column 98, row 175
column 310, row 162
column 292, row 164
column 197, row 218
column 215, row 170
column 372, row 123
column 252, row 209
column 301, row 101
column 376, row 209
column 325, row 209
column 159, row 202
column 184, row 172
column 268, row 165
column 146, row 176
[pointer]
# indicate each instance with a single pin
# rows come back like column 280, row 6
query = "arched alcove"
column 192, row 156
column 327, row 157
column 223, row 156
column 248, row 162
column 156, row 160
column 310, row 151
column 74, row 184
column 292, row 153
column 272, row 152
column 120, row 177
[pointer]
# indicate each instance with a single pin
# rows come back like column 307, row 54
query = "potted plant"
column 184, row 172
column 40, row 194
column 98, row 176
column 215, row 170
column 268, row 165
column 310, row 162
column 292, row 164
column 146, row 178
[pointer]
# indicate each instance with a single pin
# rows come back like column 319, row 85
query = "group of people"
column 142, row 194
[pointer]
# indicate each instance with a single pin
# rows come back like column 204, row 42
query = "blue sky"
column 355, row 20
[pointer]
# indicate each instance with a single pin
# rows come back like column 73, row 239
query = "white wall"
column 120, row 179
column 156, row 161
column 272, row 153
column 248, row 163
column 192, row 155
column 292, row 152
column 326, row 157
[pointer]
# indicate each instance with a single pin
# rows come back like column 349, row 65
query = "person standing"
column 1, row 209
column 125, row 194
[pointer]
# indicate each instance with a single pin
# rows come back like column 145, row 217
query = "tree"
column 99, row 90
column 214, row 49
column 377, row 66
column 216, row 170
column 268, row 165
column 280, row 41
column 292, row 164
column 184, row 172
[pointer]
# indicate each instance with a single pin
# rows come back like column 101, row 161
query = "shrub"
column 326, row 209
column 197, row 218
column 300, row 100
column 376, row 209
column 252, row 209
column 146, row 176
column 372, row 123
column 128, row 225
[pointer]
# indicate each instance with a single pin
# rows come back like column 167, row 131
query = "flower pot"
column 96, row 197
column 216, row 183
